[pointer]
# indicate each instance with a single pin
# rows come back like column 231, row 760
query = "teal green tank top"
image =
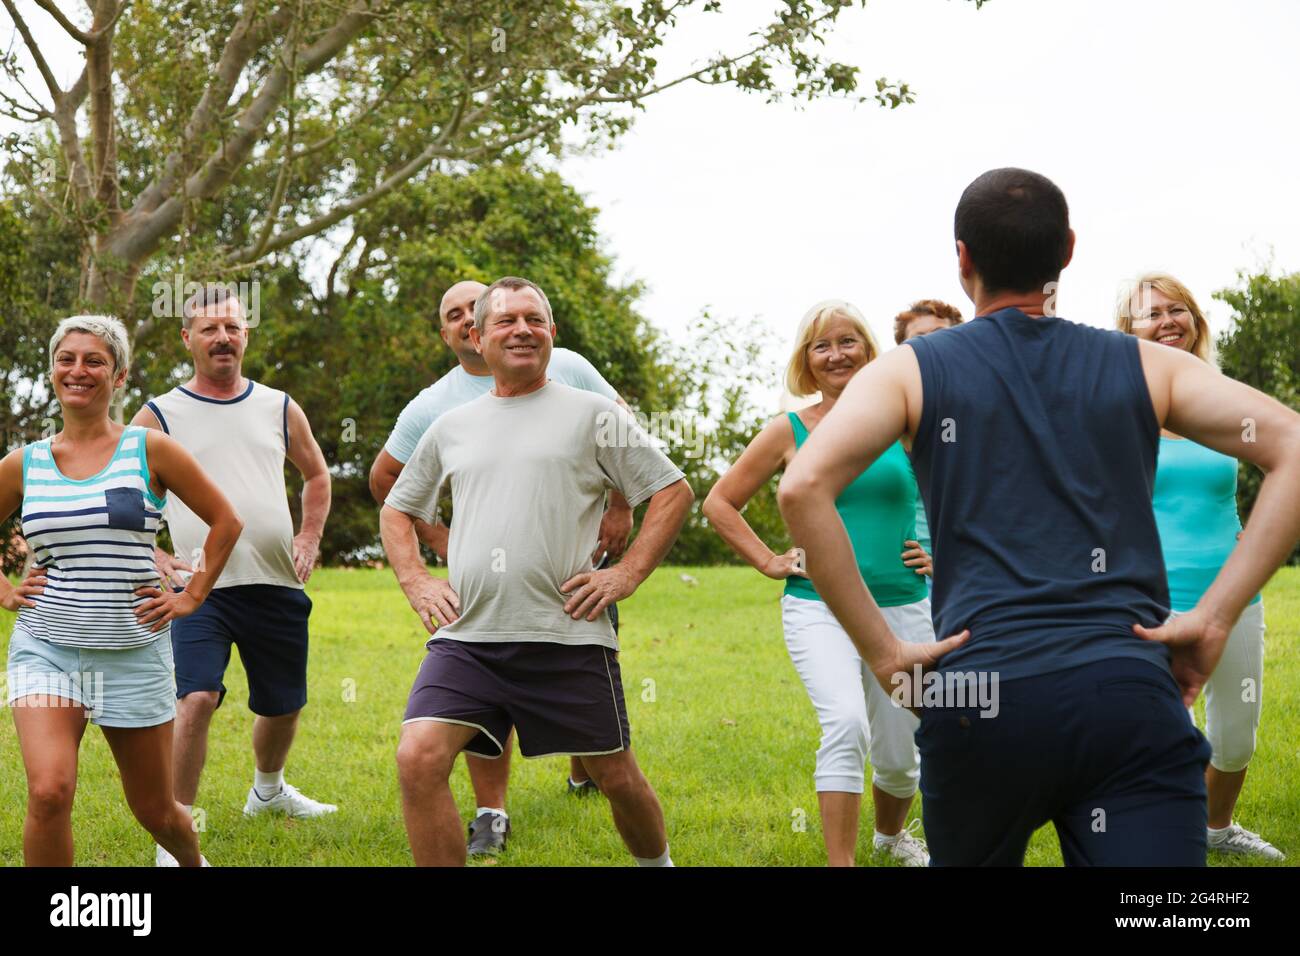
column 1195, row 503
column 879, row 511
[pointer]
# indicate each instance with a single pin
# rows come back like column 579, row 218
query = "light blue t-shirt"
column 458, row 387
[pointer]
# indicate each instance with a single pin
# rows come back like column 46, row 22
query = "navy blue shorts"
column 268, row 623
column 1106, row 752
column 560, row 699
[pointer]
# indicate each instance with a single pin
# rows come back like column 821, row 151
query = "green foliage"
column 1262, row 349
column 721, row 369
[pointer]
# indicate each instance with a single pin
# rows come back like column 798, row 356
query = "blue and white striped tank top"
column 95, row 538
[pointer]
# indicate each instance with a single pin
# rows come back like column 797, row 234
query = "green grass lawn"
column 719, row 720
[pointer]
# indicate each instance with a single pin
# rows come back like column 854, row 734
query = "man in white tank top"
column 241, row 432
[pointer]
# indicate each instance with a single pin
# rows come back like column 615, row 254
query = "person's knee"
column 897, row 781
column 617, row 779
column 1233, row 756
column 423, row 760
column 49, row 797
column 158, row 815
column 198, row 703
column 845, row 736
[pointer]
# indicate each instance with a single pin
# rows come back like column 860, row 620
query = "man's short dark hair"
column 212, row 294
column 1016, row 226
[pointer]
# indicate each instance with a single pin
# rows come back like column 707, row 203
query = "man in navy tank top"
column 1034, row 442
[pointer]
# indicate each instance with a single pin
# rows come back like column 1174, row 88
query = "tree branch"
column 147, row 229
column 46, row 74
column 243, row 42
column 72, row 30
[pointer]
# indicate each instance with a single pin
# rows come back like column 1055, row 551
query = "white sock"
column 1212, row 832
column 883, row 840
column 268, row 785
column 662, row 859
column 482, row 810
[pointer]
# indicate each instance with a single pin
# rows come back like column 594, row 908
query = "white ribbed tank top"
column 241, row 443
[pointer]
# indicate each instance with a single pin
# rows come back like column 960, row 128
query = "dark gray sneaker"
column 582, row 789
column 488, row 834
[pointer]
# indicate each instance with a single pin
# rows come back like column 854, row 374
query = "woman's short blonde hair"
column 105, row 327
column 1165, row 284
column 799, row 379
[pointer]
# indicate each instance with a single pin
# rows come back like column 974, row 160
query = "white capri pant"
column 855, row 713
column 1234, row 694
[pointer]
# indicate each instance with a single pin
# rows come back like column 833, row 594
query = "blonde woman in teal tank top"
column 879, row 510
column 1195, row 504
column 91, row 640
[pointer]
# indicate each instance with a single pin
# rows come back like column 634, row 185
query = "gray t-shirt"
column 528, row 479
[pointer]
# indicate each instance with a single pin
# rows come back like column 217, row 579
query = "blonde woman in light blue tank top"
column 90, row 642
column 1196, row 513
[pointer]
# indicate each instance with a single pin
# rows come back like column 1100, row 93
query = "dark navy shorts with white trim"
column 560, row 698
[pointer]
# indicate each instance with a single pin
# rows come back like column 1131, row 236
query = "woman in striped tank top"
column 1195, row 503
column 92, row 637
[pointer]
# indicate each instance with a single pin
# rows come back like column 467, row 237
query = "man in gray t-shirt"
column 521, row 636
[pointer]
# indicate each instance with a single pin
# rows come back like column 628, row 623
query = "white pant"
column 855, row 713
column 1234, row 694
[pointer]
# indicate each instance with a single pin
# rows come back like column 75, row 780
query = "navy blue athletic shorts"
column 1105, row 751
column 268, row 623
column 560, row 698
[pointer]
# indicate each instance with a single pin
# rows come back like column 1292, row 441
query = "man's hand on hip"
column 306, row 547
column 434, row 600
column 593, row 591
column 615, row 529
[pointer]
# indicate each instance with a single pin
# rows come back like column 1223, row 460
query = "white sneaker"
column 162, row 858
column 907, row 848
column 1237, row 839
column 288, row 801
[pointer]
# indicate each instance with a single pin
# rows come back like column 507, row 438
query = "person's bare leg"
column 491, row 778
column 891, row 811
column 425, row 755
column 190, row 742
column 637, row 814
column 840, row 812
column 144, row 759
column 49, row 733
column 272, row 738
column 1223, row 789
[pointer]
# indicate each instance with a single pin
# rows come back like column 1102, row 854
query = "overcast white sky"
column 1170, row 126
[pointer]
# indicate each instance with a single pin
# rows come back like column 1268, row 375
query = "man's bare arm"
column 1196, row 401
column 432, row 598
column 593, row 591
column 305, row 453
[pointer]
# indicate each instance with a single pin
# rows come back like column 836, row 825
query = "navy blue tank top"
column 1036, row 456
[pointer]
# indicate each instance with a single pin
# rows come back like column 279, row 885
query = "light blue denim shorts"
column 132, row 687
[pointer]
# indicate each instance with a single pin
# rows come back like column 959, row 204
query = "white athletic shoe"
column 162, row 858
column 1237, row 839
column 288, row 801
column 907, row 848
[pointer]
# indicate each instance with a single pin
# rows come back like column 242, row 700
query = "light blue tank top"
column 95, row 538
column 1195, row 502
